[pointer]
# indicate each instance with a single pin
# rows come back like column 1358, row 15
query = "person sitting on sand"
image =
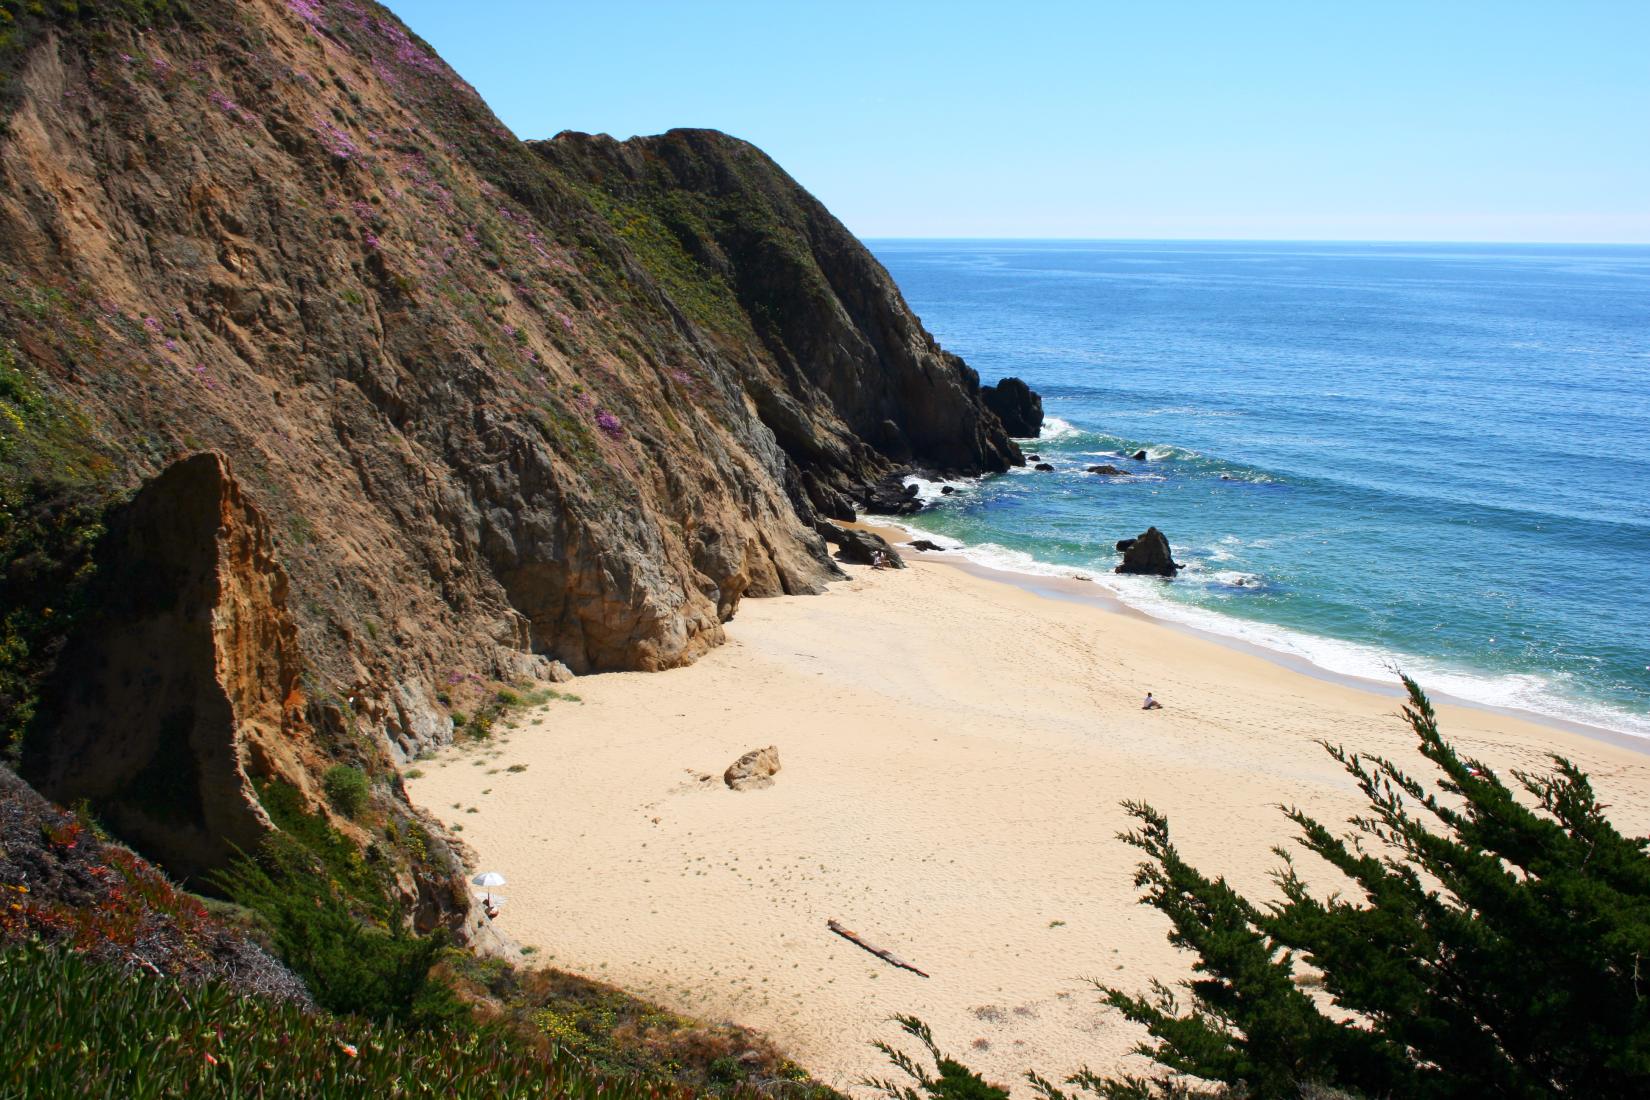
column 1150, row 703
column 879, row 560
column 491, row 910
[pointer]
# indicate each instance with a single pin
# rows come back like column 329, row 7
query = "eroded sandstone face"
column 185, row 676
column 494, row 407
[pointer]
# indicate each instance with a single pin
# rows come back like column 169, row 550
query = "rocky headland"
column 398, row 401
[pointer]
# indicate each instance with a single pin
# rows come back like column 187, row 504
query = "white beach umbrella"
column 489, row 878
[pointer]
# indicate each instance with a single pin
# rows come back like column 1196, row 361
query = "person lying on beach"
column 1150, row 703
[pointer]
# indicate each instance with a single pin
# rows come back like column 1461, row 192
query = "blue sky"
column 1450, row 120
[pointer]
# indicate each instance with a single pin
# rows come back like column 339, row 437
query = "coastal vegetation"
column 80, row 1028
column 1489, row 939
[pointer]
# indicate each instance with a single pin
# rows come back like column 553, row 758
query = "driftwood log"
column 886, row 956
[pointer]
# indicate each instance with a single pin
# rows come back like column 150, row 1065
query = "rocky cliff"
column 474, row 405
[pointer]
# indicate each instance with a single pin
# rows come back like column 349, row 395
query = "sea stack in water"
column 1017, row 405
column 1148, row 555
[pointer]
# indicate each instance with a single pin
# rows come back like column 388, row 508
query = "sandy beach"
column 954, row 753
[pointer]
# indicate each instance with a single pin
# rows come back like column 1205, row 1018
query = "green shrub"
column 1493, row 944
column 349, row 965
column 346, row 789
column 79, row 1029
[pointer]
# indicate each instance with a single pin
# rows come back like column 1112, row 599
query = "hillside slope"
column 475, row 405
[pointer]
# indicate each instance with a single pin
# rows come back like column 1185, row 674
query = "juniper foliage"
column 1494, row 942
column 1491, row 946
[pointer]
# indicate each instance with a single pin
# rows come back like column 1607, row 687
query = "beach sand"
column 954, row 753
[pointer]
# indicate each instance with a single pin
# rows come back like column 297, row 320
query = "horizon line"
column 1268, row 240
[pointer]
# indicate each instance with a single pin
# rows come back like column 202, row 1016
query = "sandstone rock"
column 1016, row 405
column 1107, row 470
column 185, row 678
column 1147, row 554
column 754, row 770
column 859, row 547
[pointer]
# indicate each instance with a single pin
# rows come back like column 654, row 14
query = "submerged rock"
column 1139, row 456
column 1017, row 405
column 754, row 770
column 1148, row 554
column 1108, row 470
column 924, row 544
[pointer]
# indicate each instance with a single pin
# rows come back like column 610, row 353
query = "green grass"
column 80, row 1029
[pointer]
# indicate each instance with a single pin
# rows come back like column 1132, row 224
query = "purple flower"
column 309, row 11
column 609, row 424
column 337, row 141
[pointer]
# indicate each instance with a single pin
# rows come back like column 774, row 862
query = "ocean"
column 1370, row 456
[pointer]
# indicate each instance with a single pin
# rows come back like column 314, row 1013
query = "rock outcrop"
column 498, row 405
column 860, row 547
column 1107, row 470
column 839, row 370
column 1147, row 554
column 187, row 672
column 753, row 771
column 890, row 497
column 1017, row 405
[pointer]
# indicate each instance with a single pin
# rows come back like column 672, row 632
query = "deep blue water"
column 1367, row 454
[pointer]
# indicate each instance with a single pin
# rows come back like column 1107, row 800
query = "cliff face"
column 485, row 405
column 837, row 366
column 184, row 674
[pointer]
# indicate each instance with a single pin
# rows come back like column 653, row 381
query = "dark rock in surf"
column 924, row 544
column 1045, row 467
column 890, row 497
column 947, row 490
column 1034, row 458
column 1139, row 456
column 1017, row 405
column 1108, row 470
column 1147, row 555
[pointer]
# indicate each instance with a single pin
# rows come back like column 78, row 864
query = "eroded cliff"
column 477, row 404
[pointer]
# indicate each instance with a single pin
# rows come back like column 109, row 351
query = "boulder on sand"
column 1148, row 555
column 856, row 546
column 754, row 770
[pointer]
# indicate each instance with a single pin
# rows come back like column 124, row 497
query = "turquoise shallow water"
column 1434, row 456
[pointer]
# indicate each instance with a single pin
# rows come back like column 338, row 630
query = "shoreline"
column 1082, row 590
column 1075, row 590
column 954, row 751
